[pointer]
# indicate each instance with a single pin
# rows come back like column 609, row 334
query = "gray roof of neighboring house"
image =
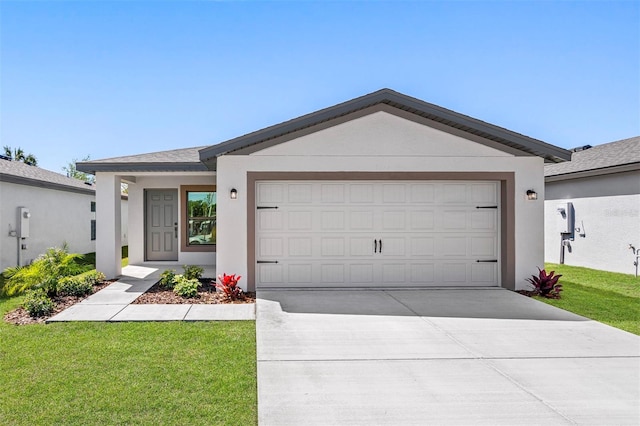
column 625, row 152
column 449, row 119
column 23, row 174
column 176, row 160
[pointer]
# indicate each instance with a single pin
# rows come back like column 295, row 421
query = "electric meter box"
column 565, row 218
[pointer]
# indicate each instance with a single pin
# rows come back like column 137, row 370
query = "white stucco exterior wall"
column 607, row 223
column 57, row 217
column 379, row 142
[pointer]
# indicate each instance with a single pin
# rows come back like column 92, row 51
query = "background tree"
column 72, row 172
column 17, row 154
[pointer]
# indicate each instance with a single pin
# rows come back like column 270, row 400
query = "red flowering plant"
column 546, row 285
column 228, row 286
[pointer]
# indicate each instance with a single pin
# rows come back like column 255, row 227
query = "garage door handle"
column 486, row 207
column 487, row 261
column 267, row 261
column 380, row 246
column 375, row 246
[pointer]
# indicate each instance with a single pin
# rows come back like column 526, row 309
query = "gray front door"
column 161, row 224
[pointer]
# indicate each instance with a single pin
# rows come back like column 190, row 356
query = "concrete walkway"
column 441, row 357
column 113, row 303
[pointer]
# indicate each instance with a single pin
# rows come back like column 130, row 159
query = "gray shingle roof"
column 20, row 173
column 612, row 154
column 447, row 118
column 183, row 159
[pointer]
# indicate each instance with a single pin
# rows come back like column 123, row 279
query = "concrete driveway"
column 439, row 357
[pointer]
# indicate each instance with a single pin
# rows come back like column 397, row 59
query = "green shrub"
column 37, row 303
column 93, row 277
column 193, row 271
column 186, row 287
column 75, row 286
column 167, row 277
column 44, row 272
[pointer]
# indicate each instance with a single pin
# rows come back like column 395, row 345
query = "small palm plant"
column 546, row 285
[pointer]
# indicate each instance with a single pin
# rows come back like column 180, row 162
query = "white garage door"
column 377, row 233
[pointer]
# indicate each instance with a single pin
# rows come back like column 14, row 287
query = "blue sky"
column 116, row 78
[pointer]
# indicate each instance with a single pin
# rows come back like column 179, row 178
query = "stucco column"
column 108, row 225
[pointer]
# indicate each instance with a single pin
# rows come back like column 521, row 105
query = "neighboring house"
column 599, row 193
column 40, row 209
column 384, row 190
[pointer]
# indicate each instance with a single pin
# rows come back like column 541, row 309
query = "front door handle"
column 175, row 229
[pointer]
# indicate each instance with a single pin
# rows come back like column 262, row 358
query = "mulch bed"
column 529, row 293
column 206, row 295
column 155, row 295
column 20, row 316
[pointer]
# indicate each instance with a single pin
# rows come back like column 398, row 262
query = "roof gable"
column 439, row 117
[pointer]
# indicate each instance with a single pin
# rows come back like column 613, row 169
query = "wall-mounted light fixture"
column 532, row 195
column 233, row 194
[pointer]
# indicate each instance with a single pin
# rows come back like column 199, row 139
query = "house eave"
column 93, row 168
column 20, row 180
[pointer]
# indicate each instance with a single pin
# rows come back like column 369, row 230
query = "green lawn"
column 607, row 297
column 171, row 373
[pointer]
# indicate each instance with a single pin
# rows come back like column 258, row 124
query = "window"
column 93, row 230
column 93, row 206
column 201, row 218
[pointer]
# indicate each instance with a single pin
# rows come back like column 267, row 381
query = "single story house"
column 592, row 207
column 40, row 209
column 384, row 190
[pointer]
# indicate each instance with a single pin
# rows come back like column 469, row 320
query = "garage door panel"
column 361, row 273
column 271, row 247
column 332, row 193
column 332, row 220
column 361, row 220
column 361, row 193
column 393, row 246
column 454, row 220
column 299, row 193
column 393, row 193
column 270, row 274
column 361, row 246
column 422, row 246
column 300, row 221
column 300, row 247
column 332, row 273
column 484, row 247
column 422, row 220
column 270, row 193
column 484, row 273
column 452, row 246
column 393, row 273
column 393, row 221
column 332, row 246
column 454, row 273
column 270, row 220
column 484, row 193
column 454, row 193
column 422, row 273
column 329, row 233
column 422, row 193
column 484, row 220
column 301, row 273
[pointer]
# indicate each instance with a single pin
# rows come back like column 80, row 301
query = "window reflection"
column 201, row 218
